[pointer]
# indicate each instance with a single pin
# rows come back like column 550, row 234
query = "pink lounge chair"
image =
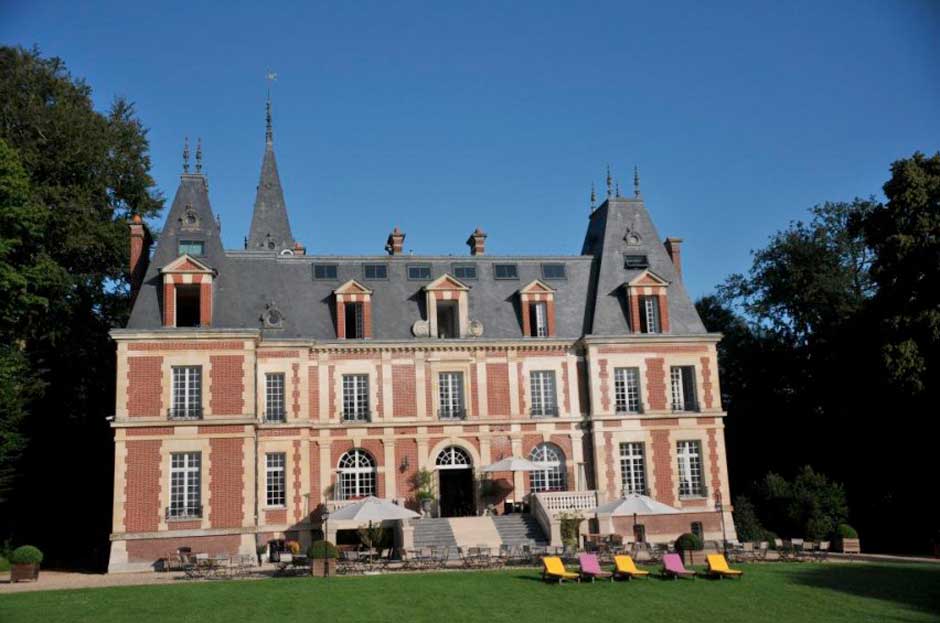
column 673, row 567
column 591, row 568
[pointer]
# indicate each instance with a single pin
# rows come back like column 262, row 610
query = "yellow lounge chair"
column 554, row 569
column 717, row 565
column 624, row 567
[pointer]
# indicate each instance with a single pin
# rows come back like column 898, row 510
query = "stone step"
column 519, row 529
column 433, row 533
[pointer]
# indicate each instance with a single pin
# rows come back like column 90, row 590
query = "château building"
column 259, row 389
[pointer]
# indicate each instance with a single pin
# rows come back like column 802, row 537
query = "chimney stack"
column 476, row 242
column 140, row 253
column 673, row 249
column 396, row 242
column 299, row 249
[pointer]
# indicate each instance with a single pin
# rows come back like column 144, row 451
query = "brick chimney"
column 299, row 249
column 140, row 253
column 396, row 241
column 673, row 248
column 477, row 242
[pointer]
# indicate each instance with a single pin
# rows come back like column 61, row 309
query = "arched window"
column 356, row 475
column 551, row 476
column 454, row 457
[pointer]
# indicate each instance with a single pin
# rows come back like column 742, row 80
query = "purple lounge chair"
column 591, row 568
column 673, row 567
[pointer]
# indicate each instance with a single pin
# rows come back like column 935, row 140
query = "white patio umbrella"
column 635, row 504
column 512, row 464
column 373, row 509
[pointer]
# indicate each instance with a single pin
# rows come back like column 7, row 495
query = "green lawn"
column 769, row 592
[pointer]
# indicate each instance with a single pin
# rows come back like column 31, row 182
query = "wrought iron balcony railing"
column 184, row 413
column 452, row 413
column 274, row 416
column 356, row 416
column 184, row 512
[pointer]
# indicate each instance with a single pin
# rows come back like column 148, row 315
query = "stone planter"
column 21, row 572
column 323, row 567
column 850, row 546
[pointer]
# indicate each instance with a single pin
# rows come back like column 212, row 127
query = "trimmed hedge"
column 845, row 531
column 26, row 555
column 321, row 550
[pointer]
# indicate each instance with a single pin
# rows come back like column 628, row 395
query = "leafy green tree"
column 63, row 263
column 904, row 234
column 810, row 506
column 746, row 522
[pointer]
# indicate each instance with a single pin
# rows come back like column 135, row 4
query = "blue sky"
column 440, row 117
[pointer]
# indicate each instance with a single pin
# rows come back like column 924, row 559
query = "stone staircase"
column 519, row 529
column 433, row 533
column 513, row 529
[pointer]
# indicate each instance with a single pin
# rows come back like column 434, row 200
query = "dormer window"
column 537, row 301
column 539, row 313
column 646, row 298
column 649, row 315
column 353, row 311
column 635, row 262
column 192, row 247
column 187, row 293
column 448, row 304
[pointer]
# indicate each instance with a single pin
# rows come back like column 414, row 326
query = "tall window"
column 627, row 390
column 356, row 475
column 356, row 397
column 683, row 388
column 690, row 469
column 355, row 325
column 275, row 471
column 274, row 397
column 539, row 319
column 542, row 384
column 185, row 485
column 551, row 473
column 450, row 388
column 649, row 315
column 632, row 468
column 187, row 393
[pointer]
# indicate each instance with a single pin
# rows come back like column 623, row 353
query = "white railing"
column 567, row 501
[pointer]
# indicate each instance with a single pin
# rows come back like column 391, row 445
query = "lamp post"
column 721, row 516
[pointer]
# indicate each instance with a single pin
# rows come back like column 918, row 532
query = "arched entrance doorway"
column 455, row 482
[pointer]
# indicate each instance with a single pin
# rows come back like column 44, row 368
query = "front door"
column 456, row 487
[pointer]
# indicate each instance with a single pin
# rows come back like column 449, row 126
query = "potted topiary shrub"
column 424, row 494
column 848, row 540
column 322, row 555
column 25, row 563
column 689, row 542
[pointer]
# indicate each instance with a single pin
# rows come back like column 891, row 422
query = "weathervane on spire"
column 269, row 132
column 593, row 197
column 636, row 181
column 186, row 155
column 199, row 155
column 609, row 182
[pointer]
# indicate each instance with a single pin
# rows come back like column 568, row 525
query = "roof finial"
column 199, row 155
column 636, row 181
column 593, row 197
column 269, row 131
column 609, row 181
column 617, row 189
column 186, row 155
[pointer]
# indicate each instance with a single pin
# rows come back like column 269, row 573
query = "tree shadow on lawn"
column 917, row 587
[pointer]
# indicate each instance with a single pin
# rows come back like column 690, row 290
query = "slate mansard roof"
column 589, row 301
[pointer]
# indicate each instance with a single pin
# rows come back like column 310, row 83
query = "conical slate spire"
column 270, row 227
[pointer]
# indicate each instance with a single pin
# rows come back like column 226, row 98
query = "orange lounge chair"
column 624, row 567
column 717, row 565
column 554, row 569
